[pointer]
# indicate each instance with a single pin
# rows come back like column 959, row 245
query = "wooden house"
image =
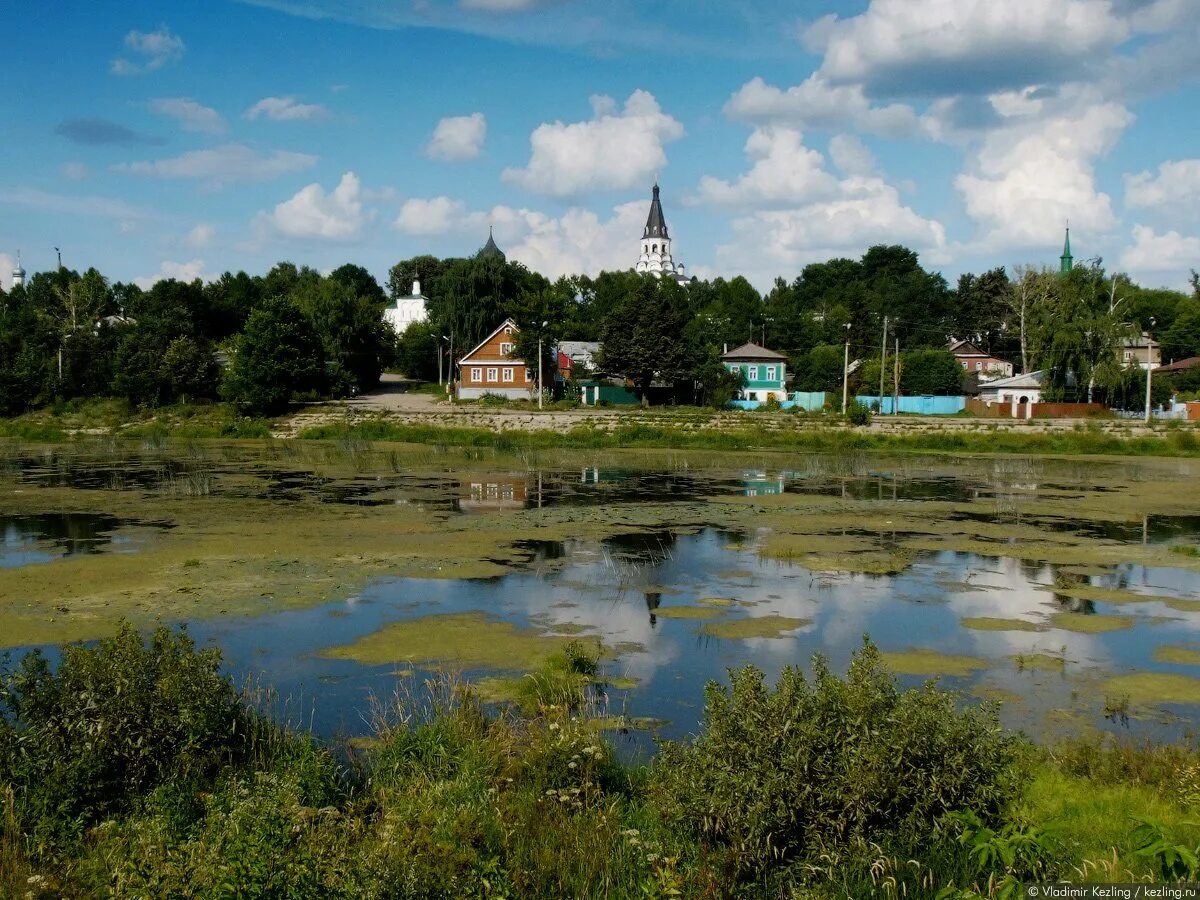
column 491, row 368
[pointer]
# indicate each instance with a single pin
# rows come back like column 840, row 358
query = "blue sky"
column 190, row 138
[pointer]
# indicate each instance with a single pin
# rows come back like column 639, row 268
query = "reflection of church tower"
column 1064, row 261
column 656, row 257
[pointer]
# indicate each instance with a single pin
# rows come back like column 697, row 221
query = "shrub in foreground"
column 826, row 765
column 110, row 724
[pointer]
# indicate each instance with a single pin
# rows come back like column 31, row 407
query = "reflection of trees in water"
column 643, row 548
column 1065, row 581
column 653, row 602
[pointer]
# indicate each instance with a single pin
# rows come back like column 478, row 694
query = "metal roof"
column 752, row 351
column 656, row 225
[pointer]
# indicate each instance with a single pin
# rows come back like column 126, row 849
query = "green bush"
column 820, row 767
column 858, row 413
column 114, row 721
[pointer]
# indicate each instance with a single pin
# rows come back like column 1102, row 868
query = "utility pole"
column 1149, row 346
column 541, row 334
column 882, row 362
column 896, row 380
column 846, row 372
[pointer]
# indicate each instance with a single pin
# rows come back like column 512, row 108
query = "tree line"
column 259, row 342
column 263, row 341
column 652, row 330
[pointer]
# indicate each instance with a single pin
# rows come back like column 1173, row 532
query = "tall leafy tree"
column 278, row 355
column 642, row 337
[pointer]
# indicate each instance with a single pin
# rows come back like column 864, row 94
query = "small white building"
column 407, row 310
column 1019, row 392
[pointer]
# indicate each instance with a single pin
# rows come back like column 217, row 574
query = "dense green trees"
column 642, row 337
column 277, row 356
column 67, row 336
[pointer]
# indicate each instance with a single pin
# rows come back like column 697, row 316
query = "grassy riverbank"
column 682, row 428
column 137, row 770
column 1084, row 441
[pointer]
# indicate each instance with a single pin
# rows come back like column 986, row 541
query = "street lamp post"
column 1149, row 346
column 541, row 392
column 846, row 371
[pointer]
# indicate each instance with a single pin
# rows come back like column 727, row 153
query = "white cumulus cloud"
column 223, row 165
column 1031, row 174
column 181, row 271
column 1175, row 189
column 191, row 115
column 1166, row 259
column 148, row 51
column 851, row 155
column 201, row 236
column 784, row 172
column 458, row 138
column 898, row 46
column 434, row 215
column 816, row 103
column 312, row 213
column 578, row 241
column 7, row 264
column 612, row 150
column 286, row 109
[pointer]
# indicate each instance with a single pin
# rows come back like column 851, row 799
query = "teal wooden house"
column 763, row 372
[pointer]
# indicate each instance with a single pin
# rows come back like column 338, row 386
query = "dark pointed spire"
column 1065, row 261
column 490, row 250
column 656, row 225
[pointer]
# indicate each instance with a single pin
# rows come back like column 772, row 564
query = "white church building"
column 407, row 310
column 656, row 256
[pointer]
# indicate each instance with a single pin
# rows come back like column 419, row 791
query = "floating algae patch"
column 715, row 601
column 1097, row 623
column 623, row 723
column 466, row 640
column 1183, row 656
column 570, row 628
column 772, row 626
column 1038, row 662
column 991, row 623
column 959, row 587
column 1106, row 594
column 868, row 562
column 995, row 694
column 1183, row 605
column 929, row 663
column 687, row 612
column 623, row 682
column 1151, row 688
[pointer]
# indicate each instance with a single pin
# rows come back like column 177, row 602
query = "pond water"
column 44, row 537
column 624, row 590
column 684, row 593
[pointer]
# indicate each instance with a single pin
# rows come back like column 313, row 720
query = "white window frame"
column 477, row 374
column 752, row 373
column 771, row 370
column 529, row 376
column 493, row 374
column 507, row 375
column 505, row 349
